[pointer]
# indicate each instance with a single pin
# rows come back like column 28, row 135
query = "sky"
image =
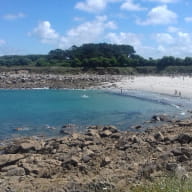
column 155, row 28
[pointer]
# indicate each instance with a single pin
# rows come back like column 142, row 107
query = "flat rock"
column 111, row 128
column 10, row 159
column 184, row 138
column 105, row 133
column 86, row 158
column 105, row 161
column 159, row 136
column 162, row 117
column 30, row 145
column 5, row 169
column 93, row 133
column 18, row 171
column 116, row 135
column 71, row 162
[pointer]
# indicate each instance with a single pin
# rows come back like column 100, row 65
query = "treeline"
column 93, row 56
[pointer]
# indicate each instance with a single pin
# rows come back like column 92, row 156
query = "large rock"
column 159, row 136
column 105, row 161
column 24, row 146
column 62, row 148
column 18, row 171
column 7, row 168
column 116, row 135
column 101, row 186
column 40, row 166
column 68, row 129
column 187, row 151
column 166, row 156
column 136, row 127
column 87, row 155
column 93, row 133
column 185, row 123
column 31, row 168
column 171, row 167
column 31, row 145
column 86, row 158
column 148, row 169
column 10, row 159
column 105, row 133
column 182, row 158
column 111, row 128
column 136, row 139
column 177, row 152
column 71, row 162
column 162, row 117
column 184, row 138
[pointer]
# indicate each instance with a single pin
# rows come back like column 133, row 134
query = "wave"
column 40, row 88
column 84, row 96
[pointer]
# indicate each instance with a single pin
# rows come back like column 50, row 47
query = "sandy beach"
column 175, row 86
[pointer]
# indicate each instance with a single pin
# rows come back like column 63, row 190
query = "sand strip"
column 174, row 86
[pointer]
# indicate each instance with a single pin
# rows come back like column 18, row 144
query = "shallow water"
column 36, row 110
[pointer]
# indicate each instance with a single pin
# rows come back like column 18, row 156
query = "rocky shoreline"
column 101, row 159
column 23, row 79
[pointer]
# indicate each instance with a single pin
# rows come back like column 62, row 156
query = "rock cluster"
column 26, row 80
column 101, row 159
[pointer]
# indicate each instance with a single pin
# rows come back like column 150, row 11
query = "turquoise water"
column 35, row 110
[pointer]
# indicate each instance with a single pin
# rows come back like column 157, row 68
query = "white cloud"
column 78, row 18
column 93, row 5
column 134, row 40
column 45, row 32
column 99, row 5
column 159, row 15
column 173, row 42
column 172, row 29
column 87, row 32
column 165, row 38
column 165, row 1
column 179, row 44
column 6, row 49
column 14, row 16
column 124, row 38
column 2, row 42
column 131, row 6
column 188, row 19
column 184, row 38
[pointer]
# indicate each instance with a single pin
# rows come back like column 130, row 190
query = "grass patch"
column 166, row 184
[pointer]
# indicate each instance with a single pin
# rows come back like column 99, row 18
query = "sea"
column 43, row 112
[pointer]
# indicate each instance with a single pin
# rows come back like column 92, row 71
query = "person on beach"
column 179, row 93
column 175, row 92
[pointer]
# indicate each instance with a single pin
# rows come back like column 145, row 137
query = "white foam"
column 84, row 96
column 40, row 88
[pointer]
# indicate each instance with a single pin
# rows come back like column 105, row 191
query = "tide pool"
column 34, row 111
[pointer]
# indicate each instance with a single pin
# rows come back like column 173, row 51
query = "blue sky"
column 154, row 27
